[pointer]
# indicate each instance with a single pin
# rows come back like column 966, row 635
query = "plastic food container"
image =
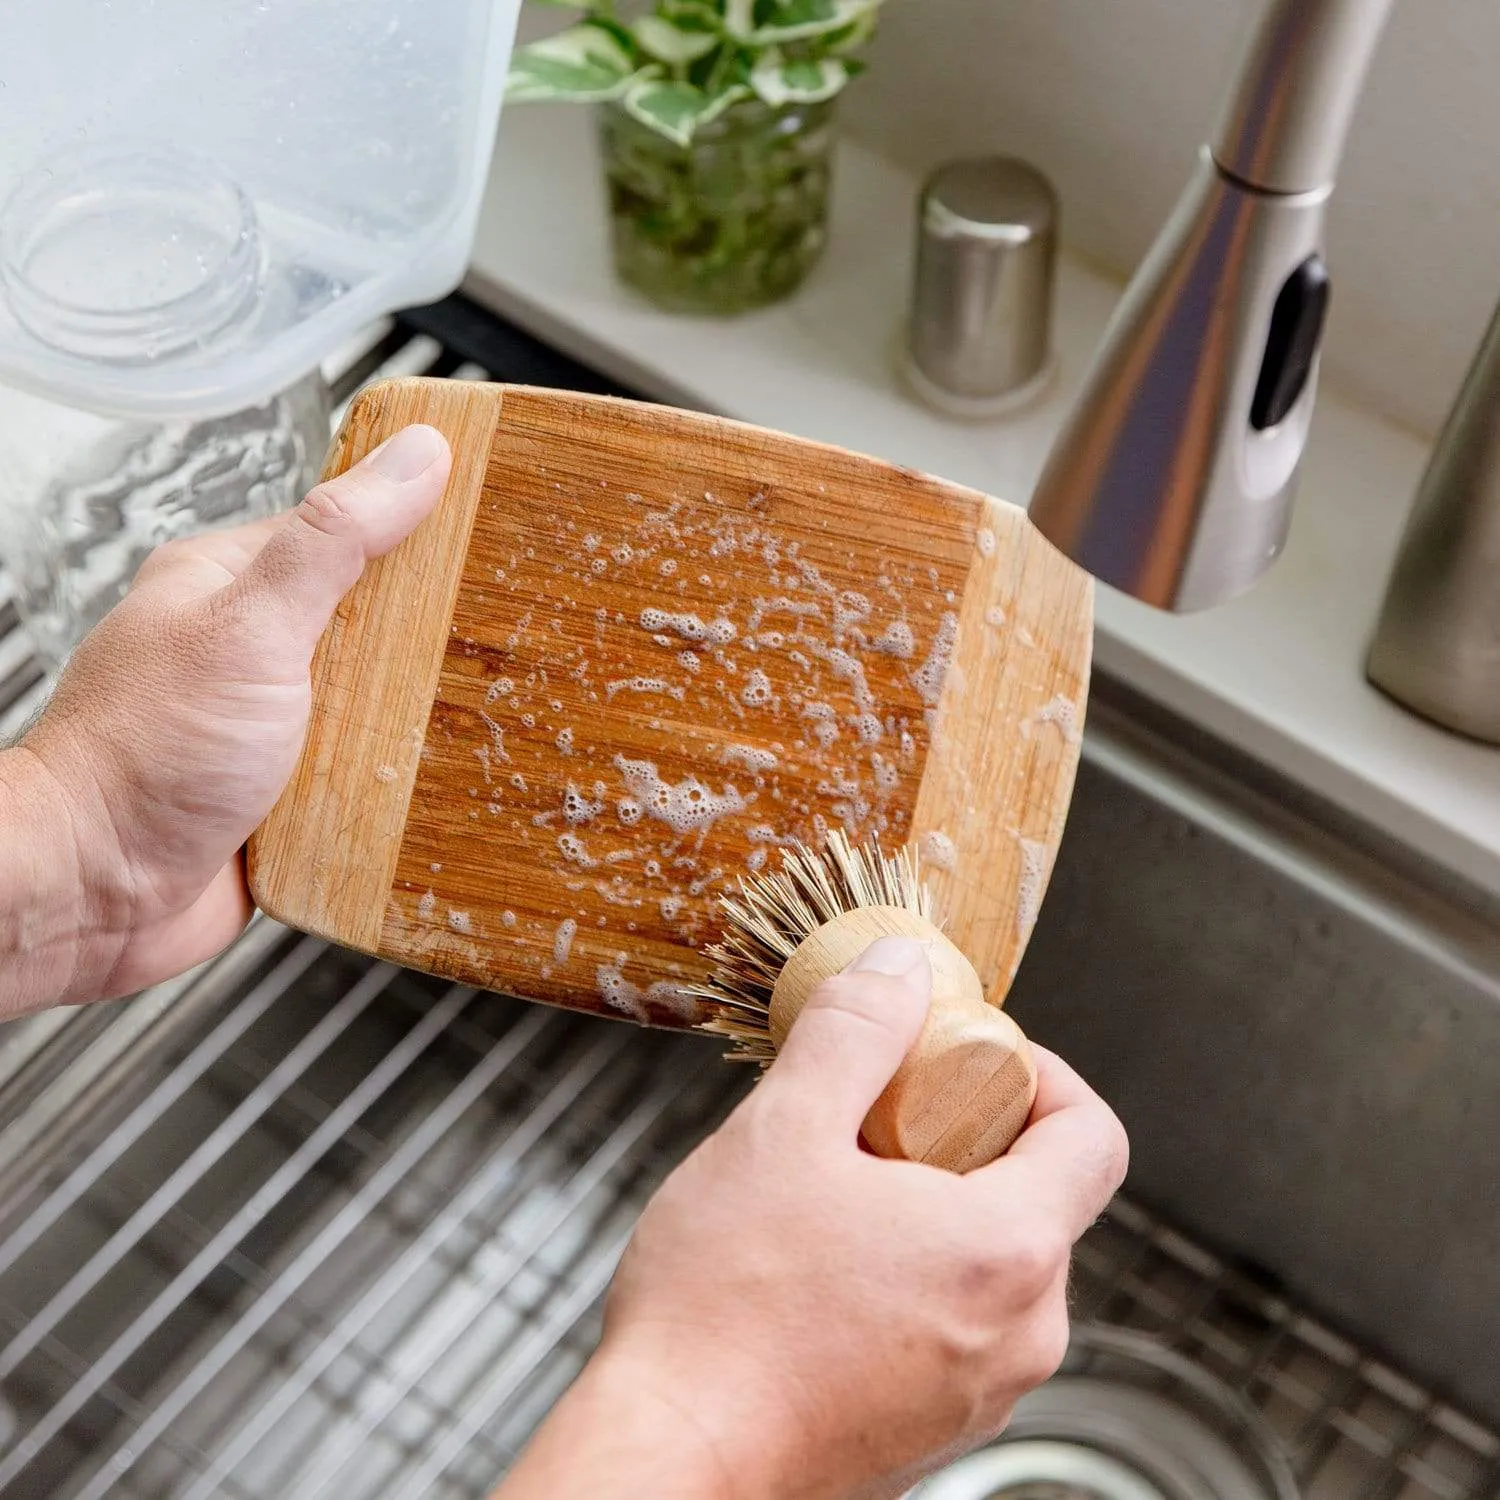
column 199, row 198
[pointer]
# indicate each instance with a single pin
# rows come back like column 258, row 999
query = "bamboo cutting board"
column 636, row 649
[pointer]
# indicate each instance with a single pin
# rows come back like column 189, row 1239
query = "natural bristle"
column 772, row 914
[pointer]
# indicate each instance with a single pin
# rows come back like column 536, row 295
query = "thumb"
column 853, row 1032
column 312, row 560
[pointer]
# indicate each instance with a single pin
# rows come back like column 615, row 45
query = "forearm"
column 52, row 931
column 617, row 1434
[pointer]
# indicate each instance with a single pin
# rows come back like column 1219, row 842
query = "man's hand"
column 797, row 1319
column 172, row 732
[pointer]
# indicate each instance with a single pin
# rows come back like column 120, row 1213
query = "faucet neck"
column 1287, row 118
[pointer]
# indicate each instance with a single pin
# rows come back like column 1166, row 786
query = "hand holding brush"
column 963, row 1093
column 797, row 1319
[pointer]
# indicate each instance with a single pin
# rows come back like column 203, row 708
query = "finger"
column 316, row 554
column 1071, row 1158
column 850, row 1038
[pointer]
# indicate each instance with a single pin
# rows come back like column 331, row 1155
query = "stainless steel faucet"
column 1172, row 478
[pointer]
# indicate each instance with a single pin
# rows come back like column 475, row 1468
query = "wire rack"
column 1352, row 1426
column 308, row 1225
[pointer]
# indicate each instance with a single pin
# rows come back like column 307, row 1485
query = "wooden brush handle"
column 964, row 1091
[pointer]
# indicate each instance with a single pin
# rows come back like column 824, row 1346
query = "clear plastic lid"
column 199, row 198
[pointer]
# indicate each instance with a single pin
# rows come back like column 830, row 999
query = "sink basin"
column 306, row 1225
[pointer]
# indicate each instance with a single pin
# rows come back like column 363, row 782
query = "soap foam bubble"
column 1062, row 713
column 757, row 689
column 575, row 851
column 1029, row 886
column 928, row 678
column 752, row 757
column 686, row 806
column 895, row 640
column 689, row 627
column 939, row 850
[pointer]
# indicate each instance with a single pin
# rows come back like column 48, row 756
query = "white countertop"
column 1278, row 673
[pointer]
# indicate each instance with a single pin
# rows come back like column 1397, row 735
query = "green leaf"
column 777, row 80
column 739, row 18
column 672, row 43
column 585, row 62
column 675, row 109
column 802, row 20
column 691, row 15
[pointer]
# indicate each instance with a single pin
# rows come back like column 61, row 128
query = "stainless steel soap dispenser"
column 1437, row 644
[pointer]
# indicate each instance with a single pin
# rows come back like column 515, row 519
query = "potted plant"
column 716, row 129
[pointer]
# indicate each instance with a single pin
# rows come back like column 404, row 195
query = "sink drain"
column 1123, row 1419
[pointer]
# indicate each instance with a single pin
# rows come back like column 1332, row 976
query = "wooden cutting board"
column 636, row 649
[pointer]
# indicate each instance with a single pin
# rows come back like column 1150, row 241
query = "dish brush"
column 965, row 1090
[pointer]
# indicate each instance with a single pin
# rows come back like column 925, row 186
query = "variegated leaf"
column 802, row 20
column 671, row 43
column 778, row 81
column 676, row 110
column 583, row 63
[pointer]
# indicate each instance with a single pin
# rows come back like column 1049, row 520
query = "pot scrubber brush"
column 965, row 1090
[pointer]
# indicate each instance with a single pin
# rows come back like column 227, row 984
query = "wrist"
column 58, row 916
column 628, row 1427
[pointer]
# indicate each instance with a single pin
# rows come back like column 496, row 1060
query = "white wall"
column 1112, row 97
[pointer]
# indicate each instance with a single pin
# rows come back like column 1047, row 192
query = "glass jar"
column 733, row 221
column 125, row 269
column 85, row 497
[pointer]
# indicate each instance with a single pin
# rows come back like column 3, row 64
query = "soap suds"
column 642, row 685
column 928, row 678
column 1063, row 714
column 459, row 921
column 939, row 850
column 497, row 738
column 718, row 632
column 757, row 689
column 895, row 640
column 575, row 851
column 578, row 808
column 562, row 941
column 752, row 757
column 617, row 991
column 685, row 806
column 620, row 994
column 1029, row 886
column 986, row 541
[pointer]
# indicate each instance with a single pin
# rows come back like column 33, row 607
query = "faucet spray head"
column 1173, row 476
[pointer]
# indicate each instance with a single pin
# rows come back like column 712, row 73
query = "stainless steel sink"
column 303, row 1224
